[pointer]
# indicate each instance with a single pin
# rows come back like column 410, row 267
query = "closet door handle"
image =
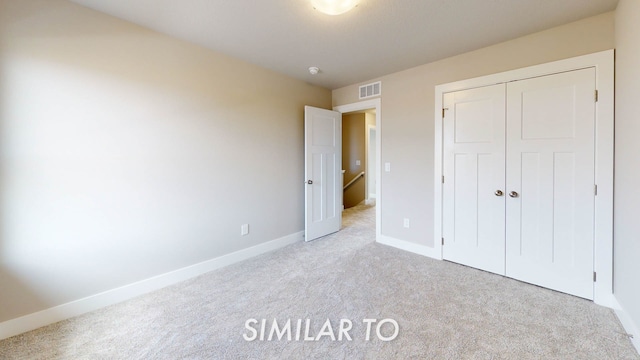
column 513, row 194
column 499, row 193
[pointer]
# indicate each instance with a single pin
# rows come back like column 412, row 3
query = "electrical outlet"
column 387, row 167
column 358, row 162
column 406, row 223
column 244, row 229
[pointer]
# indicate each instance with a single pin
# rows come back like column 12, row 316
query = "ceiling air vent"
column 370, row 90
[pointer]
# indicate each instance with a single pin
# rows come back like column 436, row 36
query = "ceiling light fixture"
column 334, row 7
column 314, row 70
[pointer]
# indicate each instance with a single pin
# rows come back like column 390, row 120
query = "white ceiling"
column 376, row 38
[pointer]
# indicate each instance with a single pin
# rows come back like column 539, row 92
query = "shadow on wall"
column 21, row 296
column 85, row 41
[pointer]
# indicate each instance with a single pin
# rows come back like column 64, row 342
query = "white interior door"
column 550, row 170
column 323, row 176
column 474, row 178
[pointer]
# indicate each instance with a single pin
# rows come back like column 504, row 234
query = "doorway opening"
column 361, row 149
column 358, row 157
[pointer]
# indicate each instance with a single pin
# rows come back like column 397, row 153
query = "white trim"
column 603, row 62
column 368, row 194
column 409, row 246
column 78, row 307
column 629, row 326
column 603, row 247
column 438, row 171
column 366, row 105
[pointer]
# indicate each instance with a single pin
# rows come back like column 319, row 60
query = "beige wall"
column 353, row 149
column 125, row 154
column 406, row 122
column 627, row 174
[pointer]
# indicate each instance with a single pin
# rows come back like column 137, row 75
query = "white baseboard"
column 629, row 326
column 78, row 307
column 409, row 246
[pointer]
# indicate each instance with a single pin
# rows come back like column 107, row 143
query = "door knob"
column 513, row 194
column 309, row 182
column 499, row 193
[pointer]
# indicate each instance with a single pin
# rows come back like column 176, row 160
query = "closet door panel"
column 550, row 173
column 473, row 215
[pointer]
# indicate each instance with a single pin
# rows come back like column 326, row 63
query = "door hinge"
column 596, row 95
column 443, row 241
column 594, row 276
column 595, row 190
column 443, row 110
column 443, row 179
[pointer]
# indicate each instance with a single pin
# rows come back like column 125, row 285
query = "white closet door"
column 474, row 160
column 550, row 170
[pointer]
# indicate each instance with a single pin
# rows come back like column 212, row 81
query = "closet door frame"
column 603, row 63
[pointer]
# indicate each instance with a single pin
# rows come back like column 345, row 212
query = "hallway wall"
column 353, row 150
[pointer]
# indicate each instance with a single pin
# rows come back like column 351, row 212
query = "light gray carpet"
column 444, row 311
